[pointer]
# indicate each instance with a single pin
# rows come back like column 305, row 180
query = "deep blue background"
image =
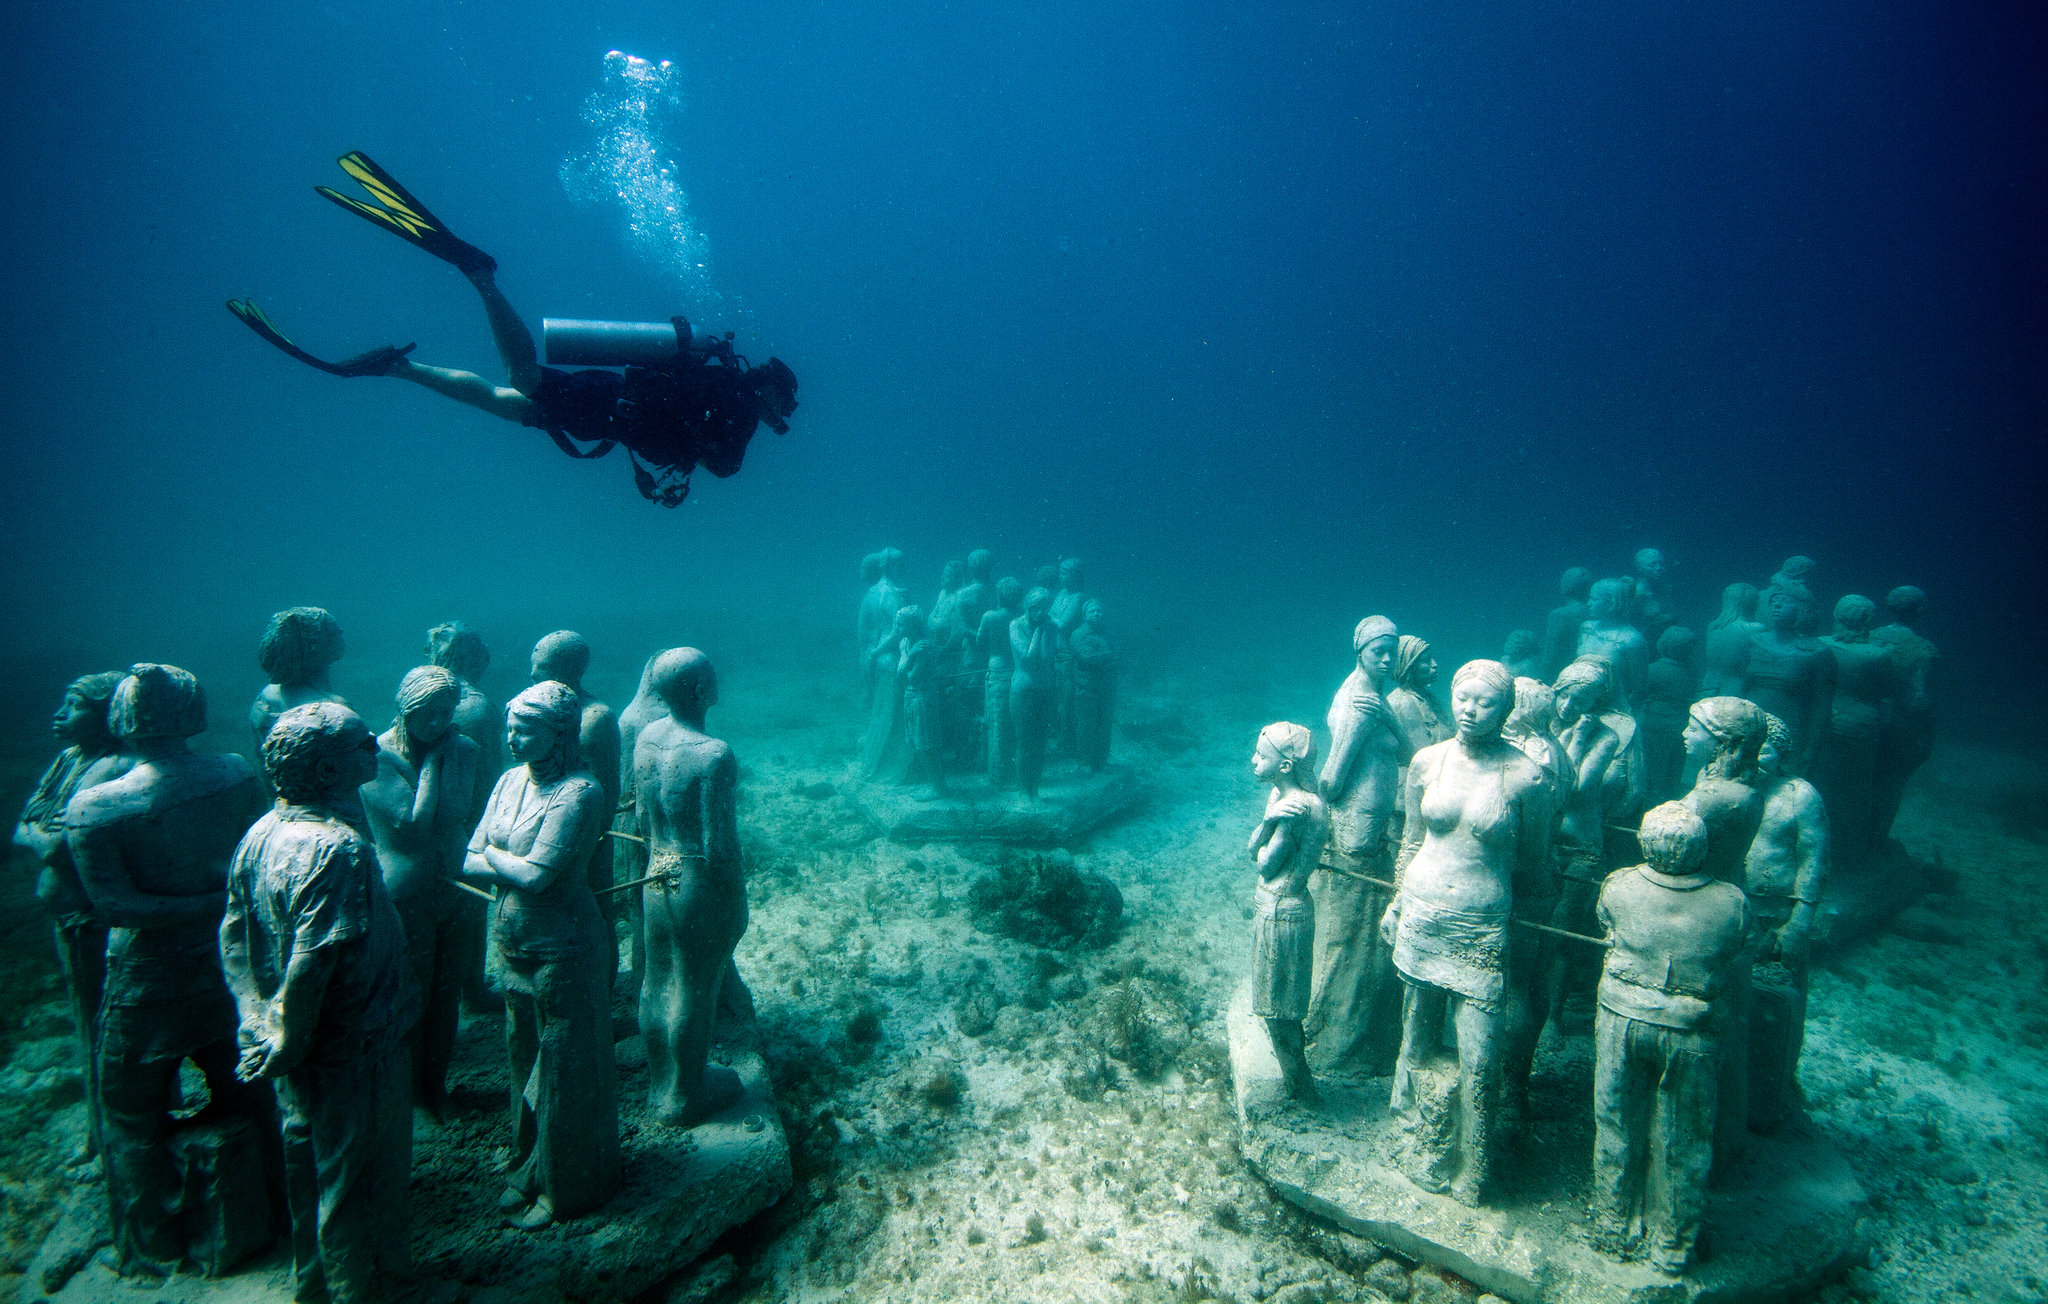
column 1278, row 313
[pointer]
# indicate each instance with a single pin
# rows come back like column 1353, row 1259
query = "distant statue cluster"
column 1616, row 787
column 310, row 954
column 985, row 681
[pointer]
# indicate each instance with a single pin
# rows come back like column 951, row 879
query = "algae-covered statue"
column 1784, row 875
column 1675, row 954
column 1607, row 633
column 297, row 651
column 1033, row 692
column 1561, row 627
column 315, row 956
column 1792, row 676
column 1909, row 736
column 90, row 756
column 687, row 787
column 544, row 818
column 992, row 639
column 1670, row 688
column 417, row 809
column 1868, row 686
column 1590, row 749
column 1286, row 846
column 564, row 656
column 152, row 849
column 1651, row 611
column 1354, row 1017
column 1094, row 674
column 1726, row 653
column 1478, row 821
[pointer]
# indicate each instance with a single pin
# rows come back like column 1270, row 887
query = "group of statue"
column 311, row 958
column 1584, row 820
column 986, row 680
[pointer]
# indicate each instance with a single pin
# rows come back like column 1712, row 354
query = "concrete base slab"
column 1784, row 1224
column 1070, row 803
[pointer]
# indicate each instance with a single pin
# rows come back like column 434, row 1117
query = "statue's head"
column 1535, row 713
column 1414, row 667
column 1786, row 609
column 1521, row 644
column 156, row 702
column 1907, row 603
column 1073, row 573
column 1855, row 617
column 299, row 645
column 1285, row 750
column 1676, row 644
column 1799, row 569
column 909, row 620
column 1575, row 583
column 1009, row 592
column 871, row 568
column 1610, row 599
column 81, row 718
column 543, row 730
column 892, row 562
column 684, row 679
column 1092, row 612
column 1738, row 601
column 319, row 752
column 1038, row 604
column 1650, row 563
column 1777, row 745
column 1724, row 734
column 1673, row 838
column 981, row 563
column 1583, row 688
column 1482, row 697
column 1375, row 642
column 427, row 698
column 562, row 655
column 453, row 645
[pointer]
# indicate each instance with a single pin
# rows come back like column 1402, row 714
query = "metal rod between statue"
column 1526, row 923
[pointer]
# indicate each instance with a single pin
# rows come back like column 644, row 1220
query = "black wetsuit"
column 670, row 421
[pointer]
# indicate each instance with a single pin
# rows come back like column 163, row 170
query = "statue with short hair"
column 992, row 639
column 1286, row 846
column 1033, row 690
column 417, row 808
column 314, row 953
column 1095, row 673
column 1354, row 1014
column 1607, row 633
column 1908, row 737
column 1561, row 627
column 687, row 786
column 296, row 652
column 458, row 649
column 919, row 668
column 152, row 849
column 90, row 755
column 1478, row 821
column 975, row 597
column 1726, row 652
column 544, row 818
column 1784, row 874
column 1667, row 990
column 1792, row 676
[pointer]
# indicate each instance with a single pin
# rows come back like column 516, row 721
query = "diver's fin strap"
column 598, row 449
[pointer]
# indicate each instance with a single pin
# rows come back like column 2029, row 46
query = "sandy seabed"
column 1080, row 1144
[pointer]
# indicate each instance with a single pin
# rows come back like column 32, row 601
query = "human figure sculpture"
column 460, row 650
column 867, row 622
column 1652, row 612
column 1095, row 674
column 1033, row 691
column 1908, row 738
column 152, row 848
column 945, row 625
column 1796, row 577
column 1532, row 727
column 315, row 956
column 416, row 806
column 535, row 839
column 943, row 622
column 1590, row 749
column 1792, row 676
column 688, row 784
column 1523, row 654
column 1666, row 998
column 992, row 638
column 297, row 651
column 1411, row 700
column 629, row 858
column 1726, row 654
column 1607, row 633
column 1286, row 847
column 885, row 748
column 1355, row 1012
column 564, row 656
column 1723, row 736
column 918, row 668
column 1478, row 821
column 1868, row 686
column 1069, row 607
column 1561, row 627
column 975, row 599
column 89, row 756
column 1670, row 687
column 1784, row 875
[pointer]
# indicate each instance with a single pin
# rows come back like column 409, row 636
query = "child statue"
column 315, row 956
column 1726, row 655
column 1286, row 846
column 1355, row 1013
column 1867, row 687
column 1561, row 627
column 1032, row 690
column 1478, row 821
column 297, row 651
column 1095, row 668
column 1784, row 875
column 1671, row 686
column 1675, row 951
column 417, row 809
column 992, row 638
column 1909, row 736
column 1607, row 633
column 90, row 756
column 533, row 844
column 1791, row 675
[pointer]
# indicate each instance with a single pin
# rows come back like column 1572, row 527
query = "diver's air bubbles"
column 627, row 167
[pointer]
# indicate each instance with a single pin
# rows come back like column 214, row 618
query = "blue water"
column 1279, row 313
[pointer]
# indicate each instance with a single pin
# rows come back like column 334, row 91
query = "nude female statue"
column 297, row 650
column 1792, row 676
column 1726, row 656
column 1286, row 846
column 543, row 820
column 1478, row 820
column 1354, row 1015
column 417, row 809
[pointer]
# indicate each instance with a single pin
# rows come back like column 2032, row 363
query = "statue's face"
column 1266, row 763
column 358, row 764
column 1039, row 611
column 1700, row 745
column 1784, row 610
column 430, row 722
column 1425, row 671
column 1601, row 604
column 528, row 740
column 1479, row 709
column 1768, row 757
column 1651, row 563
column 1377, row 657
column 76, row 721
column 1573, row 702
column 1070, row 575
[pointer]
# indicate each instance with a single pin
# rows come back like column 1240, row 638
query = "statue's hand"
column 1791, row 945
column 1291, row 806
column 1390, row 922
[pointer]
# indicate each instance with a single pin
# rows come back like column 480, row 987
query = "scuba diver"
column 698, row 407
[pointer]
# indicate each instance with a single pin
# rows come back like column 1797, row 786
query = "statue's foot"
column 533, row 1217
column 512, row 1199
column 717, row 1092
column 1468, row 1190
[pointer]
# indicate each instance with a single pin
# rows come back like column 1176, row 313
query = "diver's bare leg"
column 468, row 387
column 515, row 342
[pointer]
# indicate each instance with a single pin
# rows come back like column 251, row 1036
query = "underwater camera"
column 661, row 344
